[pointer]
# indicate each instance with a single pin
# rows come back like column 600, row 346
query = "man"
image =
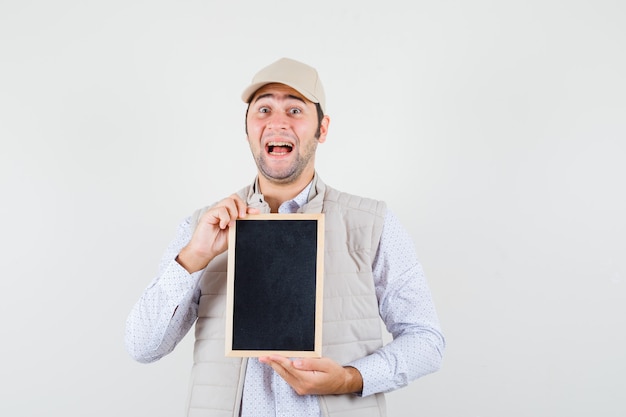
column 370, row 272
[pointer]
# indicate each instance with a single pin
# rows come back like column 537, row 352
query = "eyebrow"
column 273, row 95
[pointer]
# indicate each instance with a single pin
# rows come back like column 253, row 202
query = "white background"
column 495, row 130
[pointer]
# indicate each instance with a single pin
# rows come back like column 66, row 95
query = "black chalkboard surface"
column 275, row 285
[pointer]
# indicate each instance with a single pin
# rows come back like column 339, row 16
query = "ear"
column 324, row 129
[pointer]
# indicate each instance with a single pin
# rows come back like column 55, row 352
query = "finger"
column 277, row 359
column 222, row 215
column 283, row 366
column 253, row 210
column 278, row 367
column 310, row 365
column 242, row 207
column 228, row 210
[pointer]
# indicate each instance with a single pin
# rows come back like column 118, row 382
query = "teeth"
column 280, row 144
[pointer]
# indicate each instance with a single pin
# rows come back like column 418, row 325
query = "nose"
column 278, row 121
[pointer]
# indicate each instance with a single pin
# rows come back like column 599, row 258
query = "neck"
column 276, row 194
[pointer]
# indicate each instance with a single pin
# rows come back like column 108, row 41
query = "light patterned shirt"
column 168, row 308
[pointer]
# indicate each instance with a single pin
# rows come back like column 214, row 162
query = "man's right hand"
column 210, row 238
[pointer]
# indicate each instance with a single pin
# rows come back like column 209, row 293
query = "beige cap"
column 296, row 75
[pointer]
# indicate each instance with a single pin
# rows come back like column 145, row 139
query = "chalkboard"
column 275, row 285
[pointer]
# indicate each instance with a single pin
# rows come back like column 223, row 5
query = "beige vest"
column 351, row 327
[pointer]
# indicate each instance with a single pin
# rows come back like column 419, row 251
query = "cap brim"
column 248, row 93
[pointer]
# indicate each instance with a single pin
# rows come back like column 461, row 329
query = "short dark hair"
column 320, row 117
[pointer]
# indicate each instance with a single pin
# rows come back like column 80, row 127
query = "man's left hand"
column 316, row 375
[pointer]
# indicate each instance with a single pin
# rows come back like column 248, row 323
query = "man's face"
column 281, row 132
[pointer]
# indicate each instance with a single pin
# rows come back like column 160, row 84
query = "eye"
column 264, row 109
column 295, row 110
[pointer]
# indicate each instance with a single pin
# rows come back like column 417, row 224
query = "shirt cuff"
column 375, row 374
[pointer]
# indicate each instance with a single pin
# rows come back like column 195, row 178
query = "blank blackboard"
column 275, row 285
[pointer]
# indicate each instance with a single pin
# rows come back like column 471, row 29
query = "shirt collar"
column 298, row 201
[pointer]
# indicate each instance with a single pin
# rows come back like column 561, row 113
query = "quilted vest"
column 351, row 324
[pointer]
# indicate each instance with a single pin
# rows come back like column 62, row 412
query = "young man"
column 370, row 272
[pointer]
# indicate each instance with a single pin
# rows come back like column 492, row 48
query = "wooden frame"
column 275, row 285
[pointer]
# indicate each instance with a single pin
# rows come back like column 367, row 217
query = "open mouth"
column 279, row 148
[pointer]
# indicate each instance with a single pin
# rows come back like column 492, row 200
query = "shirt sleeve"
column 167, row 308
column 407, row 308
